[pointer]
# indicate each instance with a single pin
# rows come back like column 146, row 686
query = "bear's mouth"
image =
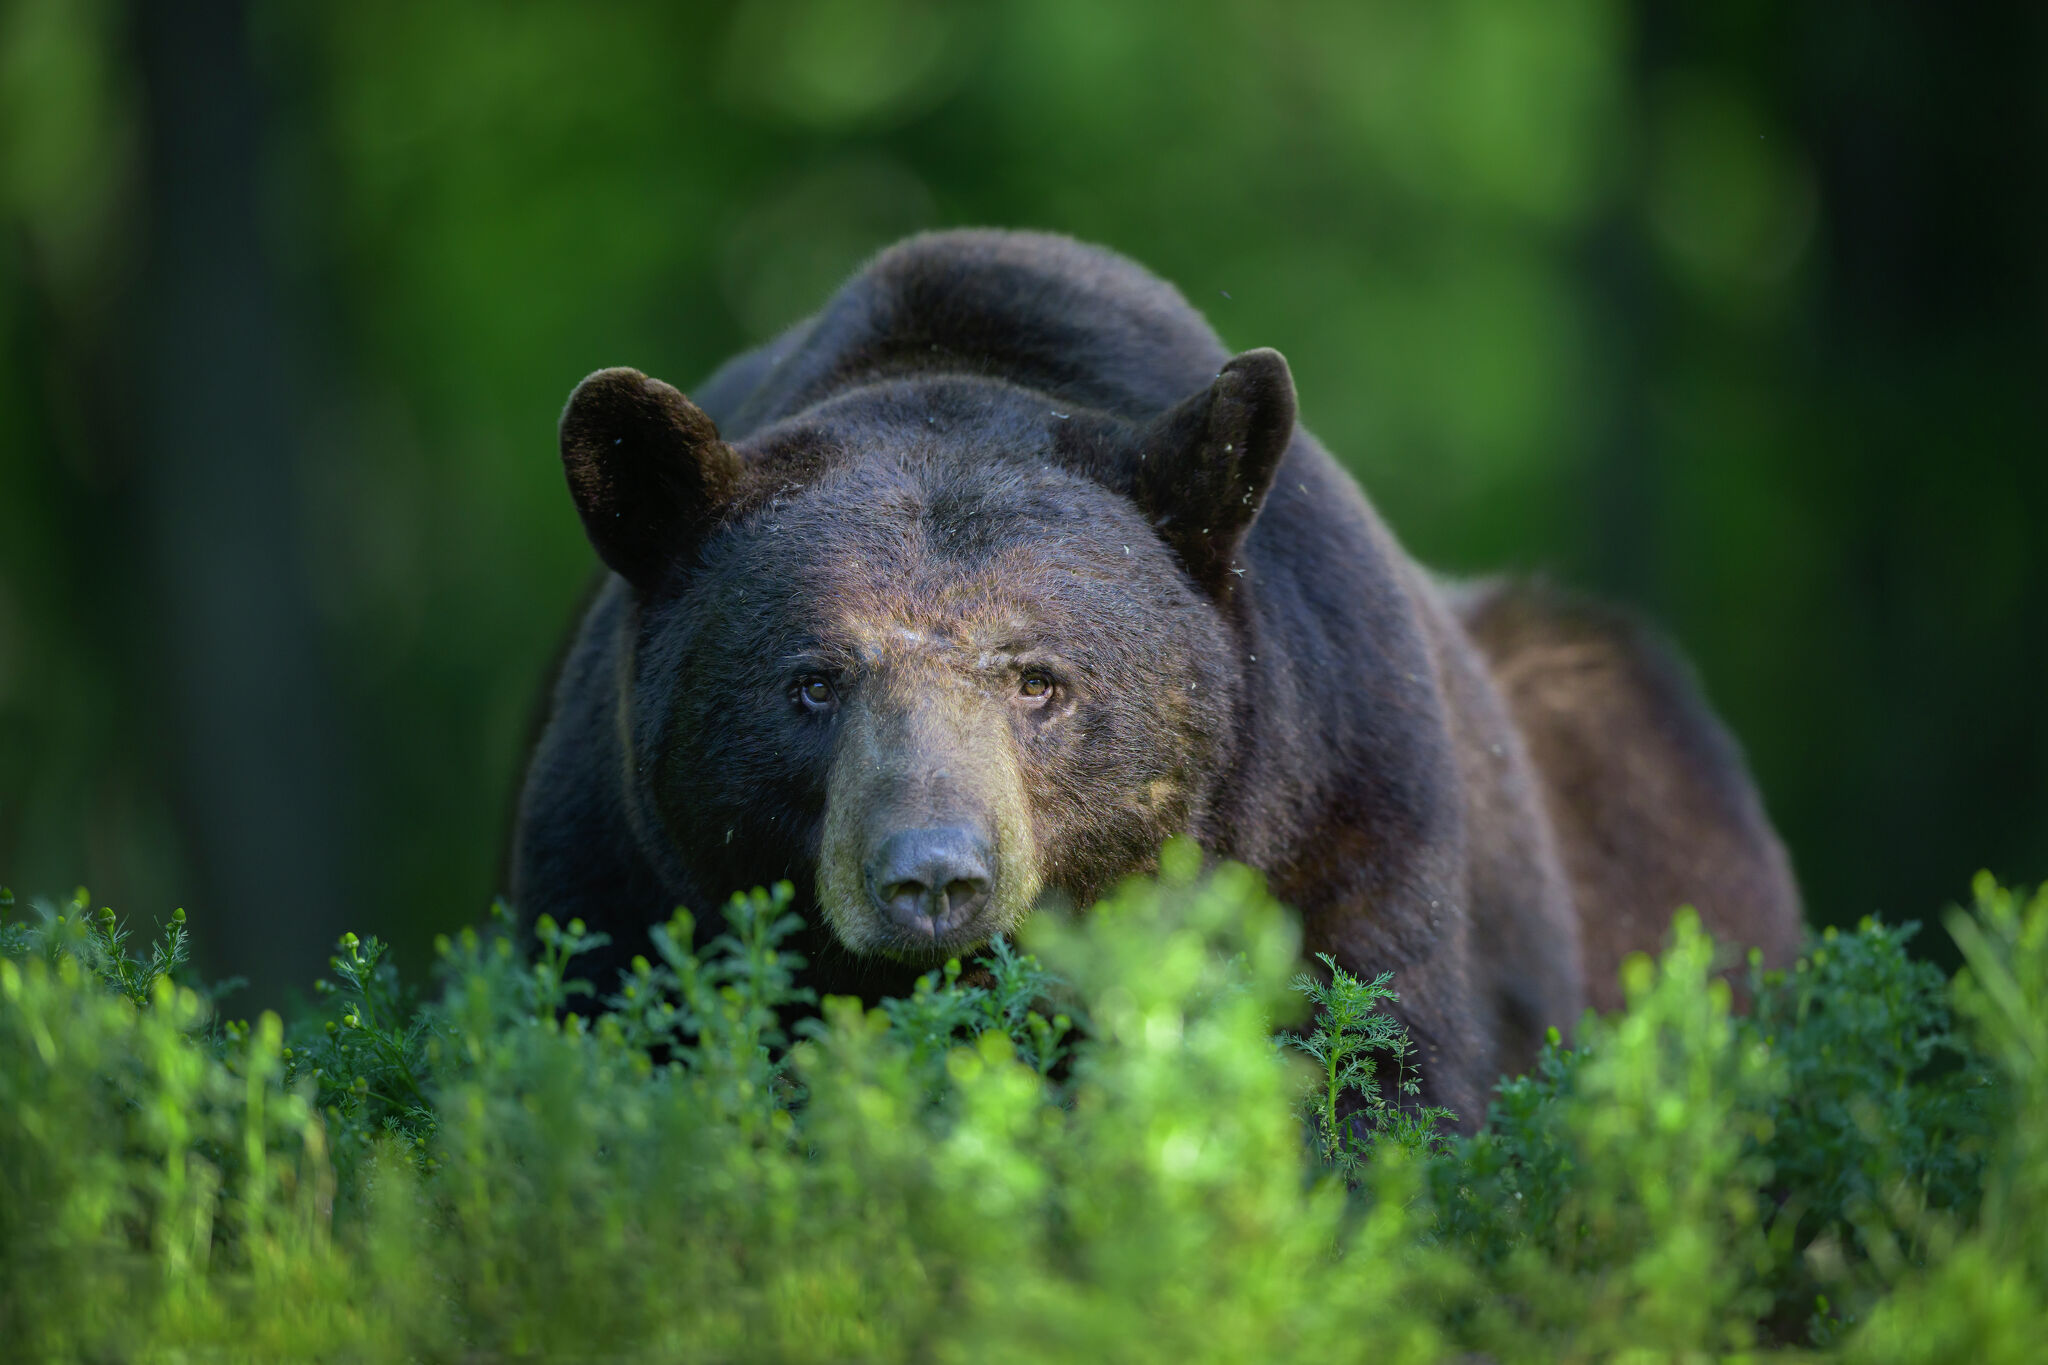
column 955, row 927
column 944, row 924
column 909, row 948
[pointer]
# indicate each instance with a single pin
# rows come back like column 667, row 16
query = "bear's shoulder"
column 1078, row 323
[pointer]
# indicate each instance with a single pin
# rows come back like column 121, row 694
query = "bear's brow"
column 866, row 640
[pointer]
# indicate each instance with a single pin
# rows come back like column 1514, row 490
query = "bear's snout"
column 930, row 883
column 927, row 849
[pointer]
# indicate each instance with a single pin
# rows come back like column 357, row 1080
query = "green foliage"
column 365, row 1065
column 940, row 1011
column 1978, row 1294
column 1085, row 1147
column 1615, row 1198
column 1888, row 1110
column 99, row 942
column 1351, row 1108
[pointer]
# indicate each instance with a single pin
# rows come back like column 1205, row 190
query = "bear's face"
column 922, row 656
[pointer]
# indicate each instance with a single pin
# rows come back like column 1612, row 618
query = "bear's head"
column 933, row 647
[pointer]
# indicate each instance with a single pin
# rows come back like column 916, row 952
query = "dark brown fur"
column 1646, row 790
column 999, row 456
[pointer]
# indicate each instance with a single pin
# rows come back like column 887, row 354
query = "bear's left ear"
column 1204, row 467
column 649, row 474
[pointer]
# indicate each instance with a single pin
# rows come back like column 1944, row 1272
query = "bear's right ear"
column 647, row 469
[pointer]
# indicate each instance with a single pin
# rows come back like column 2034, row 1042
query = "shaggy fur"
column 1003, row 544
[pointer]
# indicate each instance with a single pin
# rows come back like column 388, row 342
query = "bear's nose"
column 930, row 881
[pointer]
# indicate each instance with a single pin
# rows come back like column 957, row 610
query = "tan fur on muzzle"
column 923, row 748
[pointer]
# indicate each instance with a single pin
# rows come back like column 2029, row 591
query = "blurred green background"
column 1733, row 312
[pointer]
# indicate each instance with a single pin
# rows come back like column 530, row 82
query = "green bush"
column 1099, row 1148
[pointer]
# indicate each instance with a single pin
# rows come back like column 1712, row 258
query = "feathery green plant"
column 1351, row 1109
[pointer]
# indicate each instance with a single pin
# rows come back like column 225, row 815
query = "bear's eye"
column 1034, row 686
column 815, row 693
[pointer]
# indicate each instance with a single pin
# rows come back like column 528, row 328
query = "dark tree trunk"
column 212, row 423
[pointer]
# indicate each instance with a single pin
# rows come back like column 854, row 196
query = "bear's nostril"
column 930, row 881
column 907, row 897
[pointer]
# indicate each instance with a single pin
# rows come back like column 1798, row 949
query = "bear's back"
column 1078, row 323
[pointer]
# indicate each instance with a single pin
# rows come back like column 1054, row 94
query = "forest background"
column 1735, row 313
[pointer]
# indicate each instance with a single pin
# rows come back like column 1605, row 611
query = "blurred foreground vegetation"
column 1094, row 1150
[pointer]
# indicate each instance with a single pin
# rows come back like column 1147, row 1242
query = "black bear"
column 975, row 587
